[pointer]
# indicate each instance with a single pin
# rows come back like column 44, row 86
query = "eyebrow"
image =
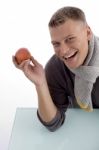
column 69, row 36
column 54, row 42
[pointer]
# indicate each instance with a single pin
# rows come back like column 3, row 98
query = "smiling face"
column 70, row 42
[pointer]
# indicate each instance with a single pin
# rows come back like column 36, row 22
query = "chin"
column 73, row 66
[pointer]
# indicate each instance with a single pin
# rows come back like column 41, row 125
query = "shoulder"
column 53, row 61
column 95, row 94
column 55, row 69
column 54, row 64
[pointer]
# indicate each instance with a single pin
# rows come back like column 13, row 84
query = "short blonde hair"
column 65, row 13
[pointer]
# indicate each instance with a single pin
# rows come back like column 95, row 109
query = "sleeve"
column 56, row 79
column 55, row 123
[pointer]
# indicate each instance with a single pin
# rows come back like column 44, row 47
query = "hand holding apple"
column 22, row 54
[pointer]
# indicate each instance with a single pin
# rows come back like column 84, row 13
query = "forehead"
column 70, row 27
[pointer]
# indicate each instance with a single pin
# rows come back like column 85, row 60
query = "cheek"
column 83, row 50
column 82, row 44
column 57, row 51
column 84, row 47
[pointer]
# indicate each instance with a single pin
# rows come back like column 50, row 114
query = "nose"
column 64, row 48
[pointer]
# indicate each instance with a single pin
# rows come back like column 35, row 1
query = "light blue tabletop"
column 79, row 132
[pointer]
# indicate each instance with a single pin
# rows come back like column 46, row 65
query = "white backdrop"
column 23, row 23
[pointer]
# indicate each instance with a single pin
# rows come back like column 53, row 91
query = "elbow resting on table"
column 55, row 123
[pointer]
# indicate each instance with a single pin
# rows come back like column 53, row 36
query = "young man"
column 71, row 76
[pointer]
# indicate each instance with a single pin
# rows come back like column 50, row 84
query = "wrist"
column 41, row 85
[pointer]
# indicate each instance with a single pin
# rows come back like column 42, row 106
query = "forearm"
column 46, row 108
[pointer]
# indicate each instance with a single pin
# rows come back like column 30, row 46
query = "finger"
column 26, row 66
column 34, row 61
column 23, row 64
column 19, row 66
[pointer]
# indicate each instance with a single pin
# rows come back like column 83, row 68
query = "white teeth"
column 70, row 55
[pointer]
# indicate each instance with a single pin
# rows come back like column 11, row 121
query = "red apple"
column 22, row 54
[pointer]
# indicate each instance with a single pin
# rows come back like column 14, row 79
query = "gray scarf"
column 85, row 76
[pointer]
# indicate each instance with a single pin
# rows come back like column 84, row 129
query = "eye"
column 70, row 39
column 55, row 44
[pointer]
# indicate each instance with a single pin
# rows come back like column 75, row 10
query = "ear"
column 89, row 33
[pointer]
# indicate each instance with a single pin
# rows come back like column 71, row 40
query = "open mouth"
column 71, row 56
